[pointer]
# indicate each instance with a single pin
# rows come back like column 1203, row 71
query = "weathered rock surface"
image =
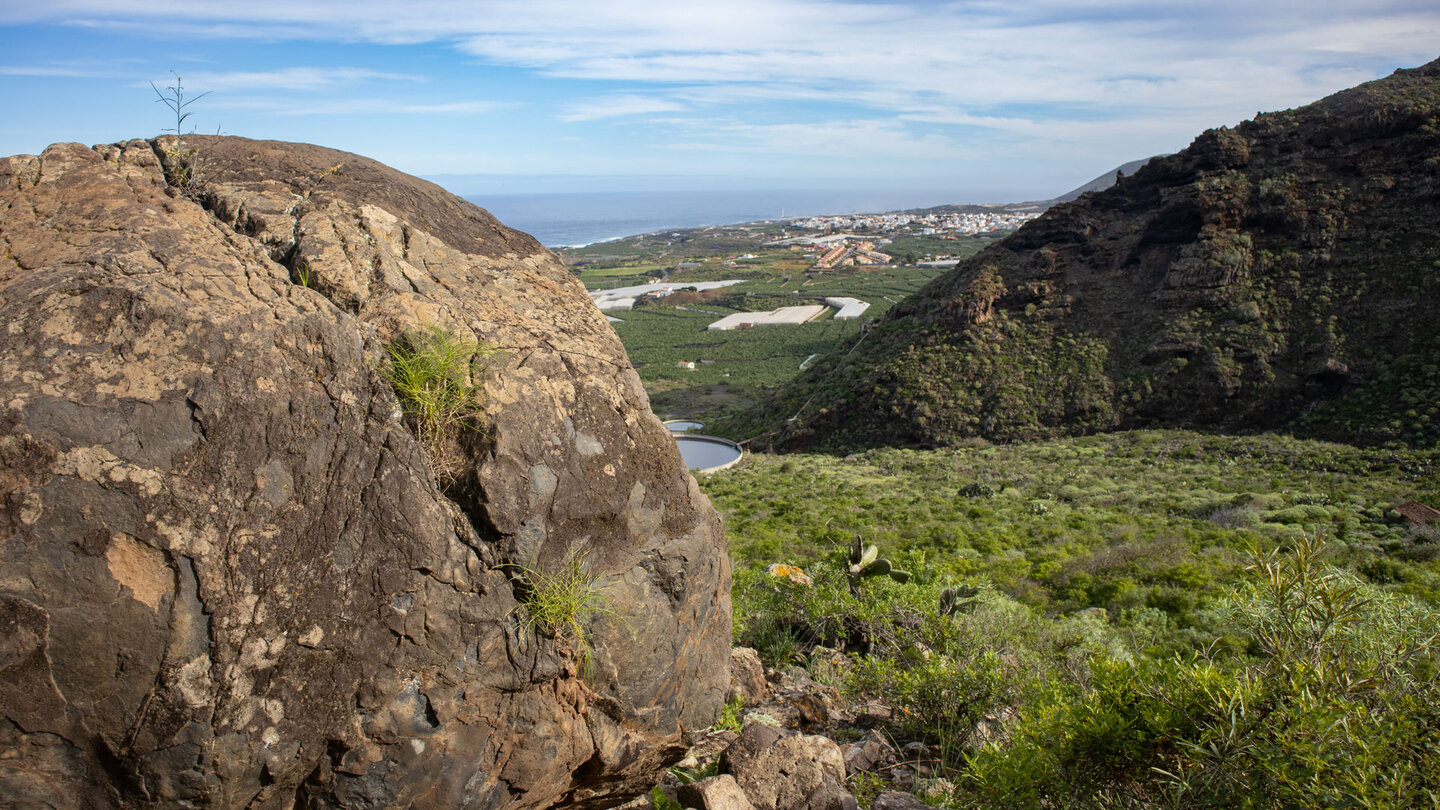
column 865, row 754
column 714, row 793
column 897, row 800
column 228, row 577
column 747, row 676
column 781, row 770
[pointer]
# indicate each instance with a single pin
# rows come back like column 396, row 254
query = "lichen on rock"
column 229, row 576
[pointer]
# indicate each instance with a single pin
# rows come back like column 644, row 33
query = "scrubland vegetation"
column 1145, row 619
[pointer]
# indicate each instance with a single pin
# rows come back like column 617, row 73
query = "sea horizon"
column 575, row 219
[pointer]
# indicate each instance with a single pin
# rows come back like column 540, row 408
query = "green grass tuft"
column 434, row 373
column 561, row 603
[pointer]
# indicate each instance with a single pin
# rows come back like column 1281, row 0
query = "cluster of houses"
column 837, row 250
column 967, row 222
column 863, row 253
column 838, row 247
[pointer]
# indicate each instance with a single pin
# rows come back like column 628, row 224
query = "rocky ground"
column 801, row 746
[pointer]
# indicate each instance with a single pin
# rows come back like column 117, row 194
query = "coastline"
column 570, row 220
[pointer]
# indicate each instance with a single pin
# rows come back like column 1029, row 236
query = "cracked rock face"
column 228, row 576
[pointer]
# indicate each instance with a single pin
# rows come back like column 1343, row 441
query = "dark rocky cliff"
column 1283, row 274
column 228, row 575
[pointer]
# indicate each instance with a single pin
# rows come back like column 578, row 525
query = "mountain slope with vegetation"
column 1282, row 274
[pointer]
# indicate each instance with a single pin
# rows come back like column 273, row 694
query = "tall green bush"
column 1335, row 706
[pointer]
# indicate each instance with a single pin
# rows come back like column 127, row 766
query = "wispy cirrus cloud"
column 296, row 78
column 822, row 139
column 355, row 106
column 51, row 71
column 893, row 55
column 617, row 106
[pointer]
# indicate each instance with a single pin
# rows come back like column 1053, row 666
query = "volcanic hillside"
column 1281, row 274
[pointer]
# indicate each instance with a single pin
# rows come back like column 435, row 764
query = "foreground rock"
column 774, row 764
column 228, row 575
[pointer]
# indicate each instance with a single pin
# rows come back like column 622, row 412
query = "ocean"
column 582, row 218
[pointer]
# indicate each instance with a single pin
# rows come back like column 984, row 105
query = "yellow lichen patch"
column 793, row 573
column 139, row 568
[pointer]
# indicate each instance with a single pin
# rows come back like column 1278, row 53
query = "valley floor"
column 1096, row 619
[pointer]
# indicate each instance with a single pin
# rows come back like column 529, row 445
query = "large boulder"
column 230, row 575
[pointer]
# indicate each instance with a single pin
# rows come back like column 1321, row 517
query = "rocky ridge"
column 229, row 576
column 1280, row 274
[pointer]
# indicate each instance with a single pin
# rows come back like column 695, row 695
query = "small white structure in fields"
column 848, row 308
column 786, row 316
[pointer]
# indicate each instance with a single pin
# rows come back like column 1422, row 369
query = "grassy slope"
column 1168, row 512
column 1152, row 527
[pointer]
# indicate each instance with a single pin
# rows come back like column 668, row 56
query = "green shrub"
column 1336, row 707
column 732, row 715
column 941, row 700
column 952, row 678
column 783, row 620
column 660, row 801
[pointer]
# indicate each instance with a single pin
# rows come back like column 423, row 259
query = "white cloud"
column 875, row 139
column 294, row 78
column 900, row 78
column 894, row 55
column 51, row 71
column 356, row 106
column 617, row 106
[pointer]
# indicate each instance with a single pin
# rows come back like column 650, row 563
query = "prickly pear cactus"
column 865, row 561
column 958, row 599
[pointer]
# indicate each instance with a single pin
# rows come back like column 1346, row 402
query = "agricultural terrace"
column 730, row 368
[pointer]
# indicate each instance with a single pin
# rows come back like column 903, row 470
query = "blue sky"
column 996, row 99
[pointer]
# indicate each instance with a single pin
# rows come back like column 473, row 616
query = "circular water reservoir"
column 704, row 454
column 683, row 425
